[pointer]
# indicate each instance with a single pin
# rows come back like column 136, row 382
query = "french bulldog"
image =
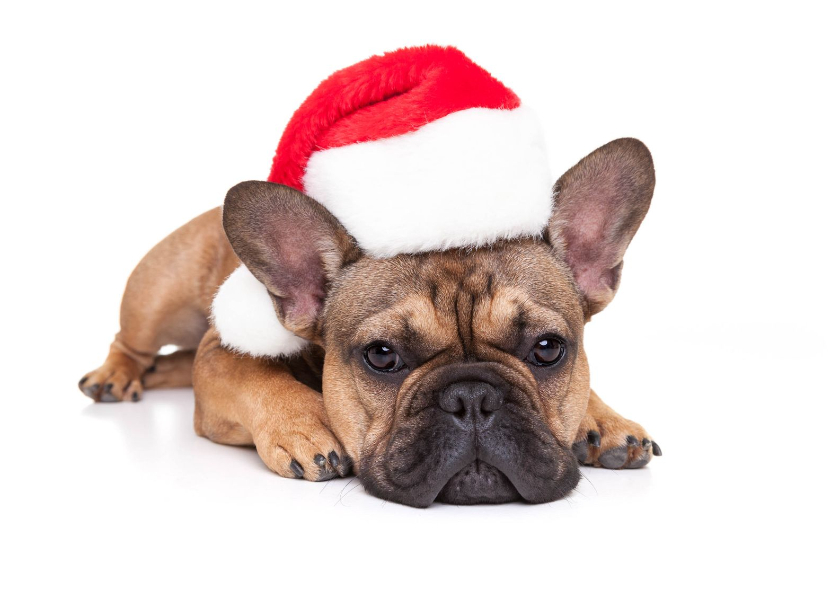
column 456, row 376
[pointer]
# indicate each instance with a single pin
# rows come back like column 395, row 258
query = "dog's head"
column 457, row 375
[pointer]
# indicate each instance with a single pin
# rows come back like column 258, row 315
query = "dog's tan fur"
column 434, row 302
column 277, row 404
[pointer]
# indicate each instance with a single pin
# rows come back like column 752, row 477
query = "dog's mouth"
column 474, row 455
column 478, row 483
column 483, row 475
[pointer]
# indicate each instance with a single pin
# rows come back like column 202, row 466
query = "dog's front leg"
column 241, row 400
column 607, row 439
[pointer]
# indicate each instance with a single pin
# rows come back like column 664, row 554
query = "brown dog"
column 457, row 375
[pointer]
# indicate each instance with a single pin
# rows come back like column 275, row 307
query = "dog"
column 456, row 375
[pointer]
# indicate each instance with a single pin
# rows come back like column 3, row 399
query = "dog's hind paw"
column 118, row 379
column 609, row 441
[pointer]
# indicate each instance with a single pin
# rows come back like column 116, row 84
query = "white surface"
column 466, row 179
column 119, row 126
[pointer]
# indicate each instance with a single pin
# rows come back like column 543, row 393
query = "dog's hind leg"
column 166, row 302
column 170, row 370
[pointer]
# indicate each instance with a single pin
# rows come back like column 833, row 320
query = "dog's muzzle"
column 473, row 406
column 473, row 439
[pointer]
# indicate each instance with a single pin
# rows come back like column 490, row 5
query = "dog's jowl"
column 424, row 333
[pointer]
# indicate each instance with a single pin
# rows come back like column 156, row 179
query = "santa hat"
column 416, row 150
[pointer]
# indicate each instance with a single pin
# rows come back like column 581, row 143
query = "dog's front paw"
column 311, row 454
column 611, row 441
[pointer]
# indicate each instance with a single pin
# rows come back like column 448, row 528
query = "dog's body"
column 455, row 375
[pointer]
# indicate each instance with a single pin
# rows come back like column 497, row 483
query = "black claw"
column 82, row 382
column 335, row 461
column 656, row 449
column 645, row 443
column 631, row 440
column 135, row 396
column 320, row 460
column 108, row 387
column 296, row 468
column 346, row 465
column 594, row 438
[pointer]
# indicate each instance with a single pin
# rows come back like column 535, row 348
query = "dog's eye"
column 383, row 359
column 547, row 351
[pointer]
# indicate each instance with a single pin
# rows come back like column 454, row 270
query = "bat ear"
column 598, row 206
column 291, row 244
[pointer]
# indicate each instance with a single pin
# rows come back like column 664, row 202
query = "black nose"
column 470, row 398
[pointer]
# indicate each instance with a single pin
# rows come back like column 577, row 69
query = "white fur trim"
column 244, row 315
column 466, row 179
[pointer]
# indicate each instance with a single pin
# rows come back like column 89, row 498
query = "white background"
column 119, row 124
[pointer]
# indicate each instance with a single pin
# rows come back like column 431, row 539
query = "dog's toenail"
column 108, row 387
column 656, row 450
column 296, row 468
column 320, row 460
column 334, row 459
column 594, row 438
column 645, row 443
column 135, row 396
column 631, row 440
column 83, row 381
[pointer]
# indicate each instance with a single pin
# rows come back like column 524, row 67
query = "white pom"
column 244, row 315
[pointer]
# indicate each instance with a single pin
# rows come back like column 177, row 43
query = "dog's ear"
column 598, row 206
column 292, row 245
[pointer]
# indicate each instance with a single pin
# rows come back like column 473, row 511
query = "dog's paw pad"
column 89, row 389
column 613, row 459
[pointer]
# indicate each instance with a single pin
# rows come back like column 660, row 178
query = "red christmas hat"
column 415, row 150
column 418, row 149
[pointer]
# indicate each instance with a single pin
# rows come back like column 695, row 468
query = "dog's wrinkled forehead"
column 432, row 301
